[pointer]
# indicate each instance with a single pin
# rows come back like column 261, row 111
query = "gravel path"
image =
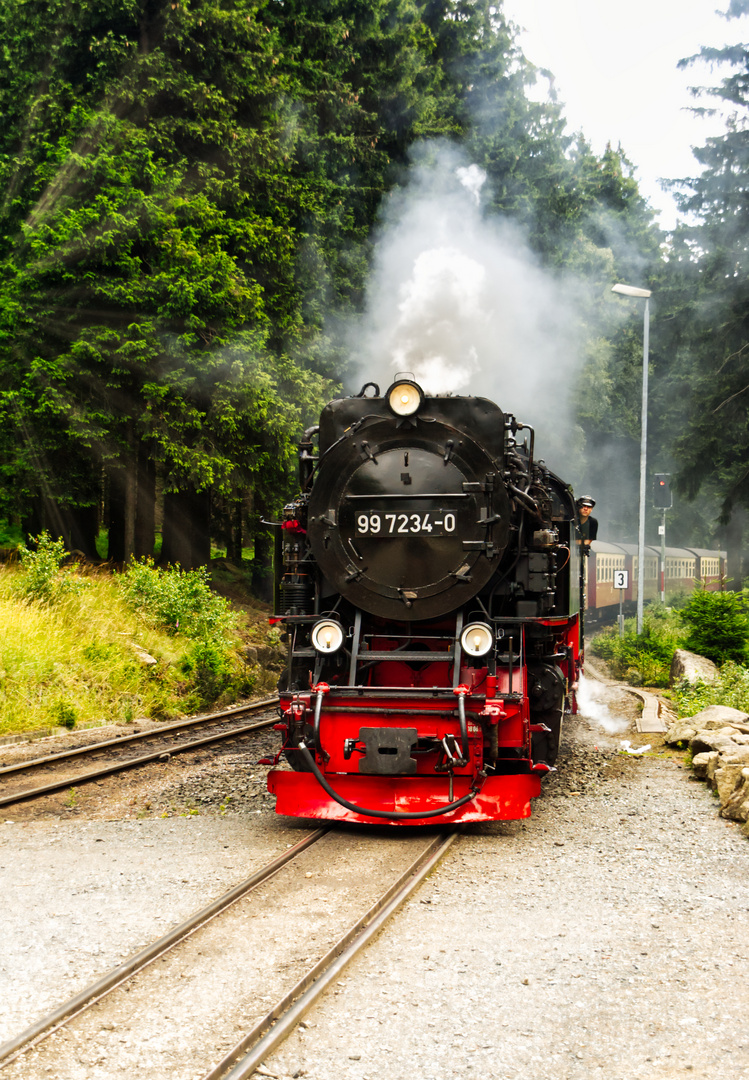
column 607, row 936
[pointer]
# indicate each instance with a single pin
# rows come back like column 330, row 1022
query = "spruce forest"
column 192, row 199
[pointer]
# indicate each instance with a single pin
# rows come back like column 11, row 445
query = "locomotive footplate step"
column 501, row 798
column 386, row 751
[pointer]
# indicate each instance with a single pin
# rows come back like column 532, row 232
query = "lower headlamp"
column 327, row 636
column 477, row 639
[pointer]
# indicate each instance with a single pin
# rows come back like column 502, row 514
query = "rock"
column 700, row 763
column 729, row 732
column 249, row 654
column 727, row 778
column 682, row 731
column 271, row 654
column 705, row 741
column 713, row 764
column 715, row 717
column 736, row 806
column 691, row 668
column 735, row 755
column 720, row 722
column 143, row 656
column 720, row 750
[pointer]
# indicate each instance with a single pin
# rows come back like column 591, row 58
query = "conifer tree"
column 707, row 279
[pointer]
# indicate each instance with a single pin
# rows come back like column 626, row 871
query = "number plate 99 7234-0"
column 379, row 524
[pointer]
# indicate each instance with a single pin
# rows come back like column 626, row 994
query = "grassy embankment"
column 714, row 625
column 75, row 644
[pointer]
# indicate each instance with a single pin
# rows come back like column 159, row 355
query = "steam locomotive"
column 429, row 586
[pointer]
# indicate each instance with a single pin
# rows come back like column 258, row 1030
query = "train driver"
column 588, row 526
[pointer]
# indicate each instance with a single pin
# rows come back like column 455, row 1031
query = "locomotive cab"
column 428, row 583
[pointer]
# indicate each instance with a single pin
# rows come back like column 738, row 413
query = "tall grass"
column 730, row 688
column 73, row 659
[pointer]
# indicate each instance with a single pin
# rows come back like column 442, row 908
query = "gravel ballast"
column 606, row 936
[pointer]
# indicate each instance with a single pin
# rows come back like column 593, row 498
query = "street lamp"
column 630, row 290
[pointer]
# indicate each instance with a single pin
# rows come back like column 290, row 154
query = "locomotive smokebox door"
column 387, row 751
column 408, row 525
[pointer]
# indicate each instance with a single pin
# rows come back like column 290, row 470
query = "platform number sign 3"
column 621, row 579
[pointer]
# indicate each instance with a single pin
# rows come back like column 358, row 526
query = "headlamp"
column 477, row 639
column 405, row 398
column 327, row 636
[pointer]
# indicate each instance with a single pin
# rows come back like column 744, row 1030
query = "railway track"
column 129, row 990
column 232, row 727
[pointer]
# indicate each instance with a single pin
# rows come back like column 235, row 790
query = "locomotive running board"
column 502, row 798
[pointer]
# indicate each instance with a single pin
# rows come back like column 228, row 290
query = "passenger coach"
column 685, row 570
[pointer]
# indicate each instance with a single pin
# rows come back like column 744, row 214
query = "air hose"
column 388, row 815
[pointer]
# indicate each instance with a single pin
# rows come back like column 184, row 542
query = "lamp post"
column 631, row 290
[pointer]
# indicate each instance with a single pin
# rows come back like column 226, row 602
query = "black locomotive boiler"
column 428, row 581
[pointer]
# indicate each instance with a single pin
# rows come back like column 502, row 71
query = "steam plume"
column 458, row 299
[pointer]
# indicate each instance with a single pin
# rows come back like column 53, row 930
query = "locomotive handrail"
column 461, row 692
column 358, row 690
column 400, row 654
column 382, row 710
column 374, row 495
column 366, row 386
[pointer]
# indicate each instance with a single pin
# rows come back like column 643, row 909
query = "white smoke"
column 439, row 309
column 591, row 703
column 458, row 299
column 473, row 179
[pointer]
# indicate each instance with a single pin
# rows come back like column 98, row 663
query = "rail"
column 282, row 1018
column 114, row 978
column 131, row 763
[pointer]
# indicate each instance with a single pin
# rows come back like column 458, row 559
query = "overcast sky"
column 615, row 71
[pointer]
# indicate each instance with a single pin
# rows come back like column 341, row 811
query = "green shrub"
column 65, row 714
column 209, row 669
column 181, row 602
column 730, row 688
column 10, row 535
column 178, row 601
column 718, row 625
column 42, row 578
column 76, row 661
column 641, row 659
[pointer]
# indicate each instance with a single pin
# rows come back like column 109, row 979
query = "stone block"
column 699, row 765
column 691, row 668
column 683, row 731
column 736, row 807
column 717, row 716
column 727, row 779
column 713, row 764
